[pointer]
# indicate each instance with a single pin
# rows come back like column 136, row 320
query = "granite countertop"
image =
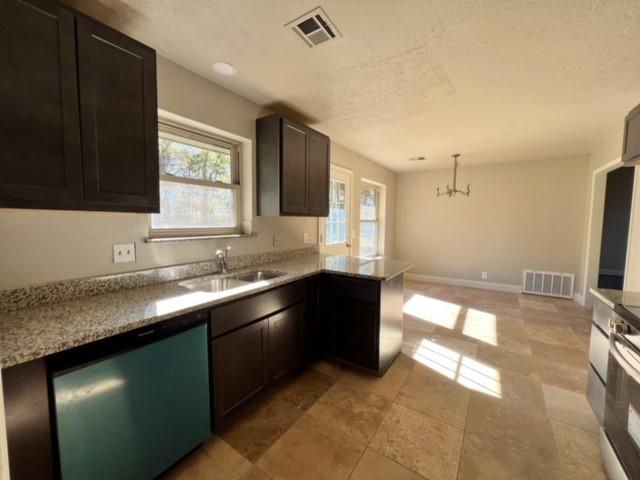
column 35, row 332
column 611, row 298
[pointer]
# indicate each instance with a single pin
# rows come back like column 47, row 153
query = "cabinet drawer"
column 596, row 395
column 599, row 352
column 602, row 314
column 355, row 289
column 242, row 312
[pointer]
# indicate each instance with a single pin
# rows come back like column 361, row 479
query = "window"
column 199, row 185
column 336, row 224
column 369, row 220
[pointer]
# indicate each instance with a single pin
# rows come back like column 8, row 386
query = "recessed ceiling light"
column 224, row 68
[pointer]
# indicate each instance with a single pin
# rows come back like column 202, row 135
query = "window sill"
column 186, row 238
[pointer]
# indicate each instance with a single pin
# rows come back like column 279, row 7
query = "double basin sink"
column 220, row 284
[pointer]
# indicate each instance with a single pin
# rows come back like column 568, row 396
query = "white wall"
column 519, row 215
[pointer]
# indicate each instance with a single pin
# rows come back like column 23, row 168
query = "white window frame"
column 371, row 186
column 198, row 138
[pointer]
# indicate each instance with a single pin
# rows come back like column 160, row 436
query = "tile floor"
column 490, row 385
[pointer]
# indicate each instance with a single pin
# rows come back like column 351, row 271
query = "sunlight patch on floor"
column 437, row 312
column 481, row 326
column 467, row 371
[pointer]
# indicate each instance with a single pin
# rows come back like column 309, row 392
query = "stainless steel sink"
column 258, row 276
column 213, row 284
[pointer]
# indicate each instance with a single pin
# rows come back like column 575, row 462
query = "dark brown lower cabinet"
column 238, row 367
column 355, row 329
column 287, row 341
column 360, row 321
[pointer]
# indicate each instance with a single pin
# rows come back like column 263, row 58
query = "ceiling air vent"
column 314, row 27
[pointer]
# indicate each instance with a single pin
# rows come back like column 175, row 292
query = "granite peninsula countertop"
column 35, row 332
column 611, row 298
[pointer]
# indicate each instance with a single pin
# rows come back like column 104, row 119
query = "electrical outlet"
column 276, row 241
column 485, row 275
column 305, row 237
column 124, row 252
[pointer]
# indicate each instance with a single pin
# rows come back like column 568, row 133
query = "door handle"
column 622, row 361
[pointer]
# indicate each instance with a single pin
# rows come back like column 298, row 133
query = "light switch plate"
column 124, row 252
column 276, row 241
column 305, row 237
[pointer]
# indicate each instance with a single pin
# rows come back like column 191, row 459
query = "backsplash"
column 55, row 292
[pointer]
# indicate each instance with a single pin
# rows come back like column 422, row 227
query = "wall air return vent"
column 550, row 284
column 314, row 27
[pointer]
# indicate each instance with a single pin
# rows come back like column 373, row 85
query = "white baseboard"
column 500, row 287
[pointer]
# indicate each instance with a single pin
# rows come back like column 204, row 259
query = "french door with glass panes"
column 335, row 230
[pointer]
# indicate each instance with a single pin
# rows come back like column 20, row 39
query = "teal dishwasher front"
column 134, row 413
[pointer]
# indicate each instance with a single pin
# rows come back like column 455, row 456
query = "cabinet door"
column 293, row 172
column 355, row 329
column 39, row 121
column 118, row 108
column 287, row 340
column 239, row 367
column 318, row 175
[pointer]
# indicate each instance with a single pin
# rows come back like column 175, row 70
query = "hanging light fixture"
column 452, row 191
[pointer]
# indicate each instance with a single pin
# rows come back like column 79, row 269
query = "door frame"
column 322, row 220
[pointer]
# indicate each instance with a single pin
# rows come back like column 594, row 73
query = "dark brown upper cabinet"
column 39, row 122
column 631, row 143
column 293, row 168
column 78, row 112
column 118, row 108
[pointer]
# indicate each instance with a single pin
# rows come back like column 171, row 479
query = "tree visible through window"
column 369, row 204
column 199, row 190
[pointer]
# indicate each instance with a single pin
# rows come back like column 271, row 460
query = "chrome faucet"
column 221, row 255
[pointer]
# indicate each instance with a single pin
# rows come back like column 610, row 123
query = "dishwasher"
column 132, row 406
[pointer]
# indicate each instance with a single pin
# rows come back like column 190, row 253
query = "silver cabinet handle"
column 622, row 361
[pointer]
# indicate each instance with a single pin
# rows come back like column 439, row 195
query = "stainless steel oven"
column 622, row 408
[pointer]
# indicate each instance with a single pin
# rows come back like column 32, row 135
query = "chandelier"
column 452, row 191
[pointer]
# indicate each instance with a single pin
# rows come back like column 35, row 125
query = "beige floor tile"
column 418, row 324
column 329, row 367
column 258, row 426
column 573, row 357
column 485, row 460
column 436, row 396
column 522, row 392
column 560, row 335
column 420, row 443
column 560, row 375
column 505, row 360
column 216, row 460
column 305, row 389
column 254, row 473
column 351, row 410
column 527, row 302
column 578, row 451
column 521, row 430
column 312, row 451
column 465, row 347
column 514, row 344
column 386, row 386
column 373, row 466
column 404, row 362
column 569, row 407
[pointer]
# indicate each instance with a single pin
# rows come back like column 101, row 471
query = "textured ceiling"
column 496, row 80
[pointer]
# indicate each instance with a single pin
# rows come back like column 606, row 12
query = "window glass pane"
column 369, row 203
column 336, row 224
column 185, row 160
column 184, row 205
column 368, row 238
